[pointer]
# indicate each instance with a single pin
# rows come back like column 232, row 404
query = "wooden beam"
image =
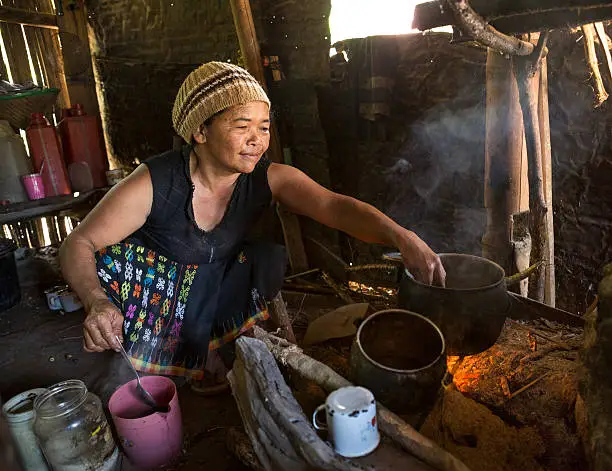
column 249, row 46
column 512, row 16
column 28, row 18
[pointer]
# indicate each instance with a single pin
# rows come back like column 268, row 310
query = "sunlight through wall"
column 362, row 18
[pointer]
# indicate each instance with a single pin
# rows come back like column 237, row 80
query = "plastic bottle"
column 14, row 163
column 83, row 148
column 19, row 413
column 46, row 155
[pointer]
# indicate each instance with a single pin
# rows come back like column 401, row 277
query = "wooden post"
column 527, row 70
column 249, row 46
column 506, row 187
column 280, row 317
column 544, row 121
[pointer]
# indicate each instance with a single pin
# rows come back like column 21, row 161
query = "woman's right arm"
column 123, row 210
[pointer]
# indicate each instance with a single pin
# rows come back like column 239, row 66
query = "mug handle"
column 318, row 425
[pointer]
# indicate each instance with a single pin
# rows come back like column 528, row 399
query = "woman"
column 163, row 261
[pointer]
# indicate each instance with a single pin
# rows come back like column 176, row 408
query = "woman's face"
column 237, row 138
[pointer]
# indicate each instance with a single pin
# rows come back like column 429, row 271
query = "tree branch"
column 474, row 25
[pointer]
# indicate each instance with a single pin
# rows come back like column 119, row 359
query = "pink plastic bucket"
column 154, row 440
column 34, row 187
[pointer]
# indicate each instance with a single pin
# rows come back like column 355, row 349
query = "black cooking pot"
column 470, row 310
column 399, row 356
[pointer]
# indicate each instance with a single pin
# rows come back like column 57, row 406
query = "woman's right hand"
column 104, row 321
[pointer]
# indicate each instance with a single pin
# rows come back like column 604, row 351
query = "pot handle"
column 315, row 422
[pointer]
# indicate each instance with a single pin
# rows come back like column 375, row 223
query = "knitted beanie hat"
column 211, row 88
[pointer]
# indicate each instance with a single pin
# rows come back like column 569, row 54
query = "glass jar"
column 72, row 429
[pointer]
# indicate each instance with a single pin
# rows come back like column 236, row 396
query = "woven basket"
column 18, row 108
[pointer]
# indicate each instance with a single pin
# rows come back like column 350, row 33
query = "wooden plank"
column 16, row 52
column 249, row 46
column 32, row 43
column 28, row 17
column 22, row 211
column 523, row 308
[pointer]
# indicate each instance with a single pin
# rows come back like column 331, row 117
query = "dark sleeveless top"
column 171, row 228
column 227, row 279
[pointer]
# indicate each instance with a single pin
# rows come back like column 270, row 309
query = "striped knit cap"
column 211, row 88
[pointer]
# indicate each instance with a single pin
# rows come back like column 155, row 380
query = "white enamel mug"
column 350, row 420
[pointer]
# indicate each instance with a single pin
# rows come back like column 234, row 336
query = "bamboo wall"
column 22, row 43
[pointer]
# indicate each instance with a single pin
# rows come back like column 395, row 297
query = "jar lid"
column 20, row 408
column 60, row 399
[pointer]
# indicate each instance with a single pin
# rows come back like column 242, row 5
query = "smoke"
column 437, row 177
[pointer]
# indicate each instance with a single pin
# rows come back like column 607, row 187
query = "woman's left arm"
column 302, row 195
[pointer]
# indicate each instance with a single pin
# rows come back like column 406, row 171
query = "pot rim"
column 396, row 370
column 502, row 279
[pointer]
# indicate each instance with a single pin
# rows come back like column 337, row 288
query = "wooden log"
column 265, row 401
column 528, row 87
column 280, row 317
column 27, row 17
column 249, row 46
column 390, row 424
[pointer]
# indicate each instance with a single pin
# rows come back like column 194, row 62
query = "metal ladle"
column 144, row 394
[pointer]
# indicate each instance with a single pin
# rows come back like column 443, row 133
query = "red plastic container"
column 83, row 146
column 46, row 155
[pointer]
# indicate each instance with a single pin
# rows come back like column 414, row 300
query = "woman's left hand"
column 420, row 260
